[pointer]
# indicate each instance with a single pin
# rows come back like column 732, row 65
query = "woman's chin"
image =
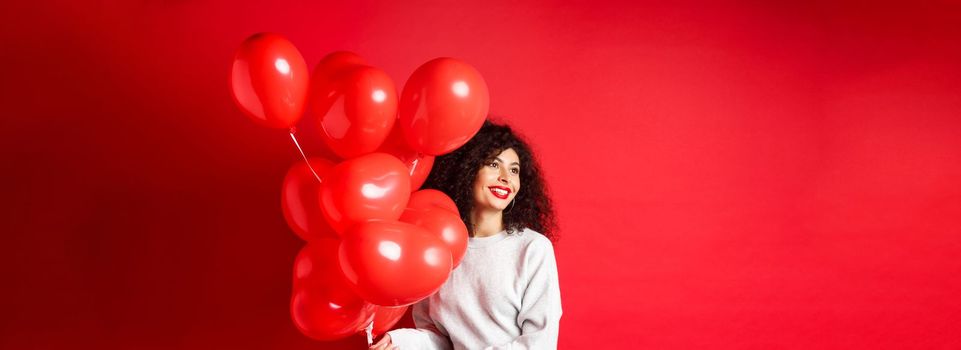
column 495, row 207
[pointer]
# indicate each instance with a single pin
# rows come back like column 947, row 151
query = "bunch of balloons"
column 375, row 243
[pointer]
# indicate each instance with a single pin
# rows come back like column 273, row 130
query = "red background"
column 727, row 176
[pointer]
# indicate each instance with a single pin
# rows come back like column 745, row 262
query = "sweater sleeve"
column 425, row 336
column 540, row 314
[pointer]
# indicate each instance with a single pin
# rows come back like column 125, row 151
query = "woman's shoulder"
column 535, row 240
column 537, row 251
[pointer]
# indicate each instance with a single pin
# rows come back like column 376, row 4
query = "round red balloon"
column 355, row 110
column 300, row 203
column 429, row 198
column 391, row 263
column 443, row 224
column 269, row 80
column 322, row 304
column 443, row 104
column 370, row 187
column 418, row 164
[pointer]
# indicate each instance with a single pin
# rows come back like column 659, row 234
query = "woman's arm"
column 425, row 336
column 540, row 313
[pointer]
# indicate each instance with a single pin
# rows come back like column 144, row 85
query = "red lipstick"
column 500, row 191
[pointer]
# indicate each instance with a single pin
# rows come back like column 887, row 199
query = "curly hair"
column 454, row 174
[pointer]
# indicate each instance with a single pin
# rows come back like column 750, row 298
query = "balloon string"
column 413, row 166
column 370, row 330
column 292, row 137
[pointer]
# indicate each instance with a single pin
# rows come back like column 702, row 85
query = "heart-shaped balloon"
column 269, row 80
column 418, row 164
column 391, row 263
column 322, row 304
column 443, row 104
column 329, row 68
column 374, row 186
column 441, row 223
column 355, row 108
column 386, row 317
column 300, row 203
column 429, row 198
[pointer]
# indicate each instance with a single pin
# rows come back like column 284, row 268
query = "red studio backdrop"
column 727, row 176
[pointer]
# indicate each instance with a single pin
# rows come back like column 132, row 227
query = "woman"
column 505, row 292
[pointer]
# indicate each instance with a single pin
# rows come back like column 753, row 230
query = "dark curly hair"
column 454, row 175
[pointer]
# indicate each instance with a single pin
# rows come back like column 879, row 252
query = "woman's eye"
column 492, row 164
column 515, row 171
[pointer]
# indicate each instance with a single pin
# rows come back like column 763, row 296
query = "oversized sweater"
column 503, row 295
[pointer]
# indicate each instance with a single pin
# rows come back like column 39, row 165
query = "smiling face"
column 497, row 181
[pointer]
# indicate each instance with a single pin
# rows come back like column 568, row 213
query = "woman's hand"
column 383, row 344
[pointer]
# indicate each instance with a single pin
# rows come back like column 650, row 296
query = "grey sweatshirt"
column 503, row 295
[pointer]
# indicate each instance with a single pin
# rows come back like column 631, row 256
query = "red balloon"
column 269, row 80
column 300, row 203
column 329, row 68
column 322, row 304
column 370, row 187
column 443, row 224
column 355, row 109
column 429, row 198
column 443, row 104
column 417, row 163
column 391, row 263
column 386, row 317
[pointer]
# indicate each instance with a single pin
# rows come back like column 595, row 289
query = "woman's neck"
column 487, row 223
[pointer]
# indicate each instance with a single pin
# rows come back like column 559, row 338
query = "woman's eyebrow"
column 499, row 160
